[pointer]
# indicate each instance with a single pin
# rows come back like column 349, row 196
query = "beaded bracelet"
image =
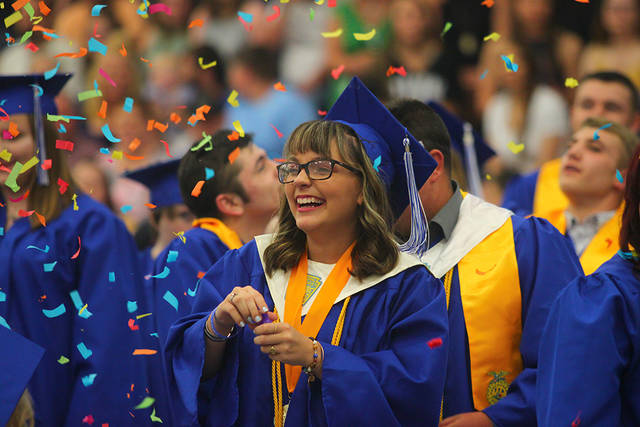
column 309, row 369
column 217, row 336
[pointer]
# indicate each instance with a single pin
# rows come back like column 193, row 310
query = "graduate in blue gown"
column 68, row 272
column 589, row 363
column 355, row 331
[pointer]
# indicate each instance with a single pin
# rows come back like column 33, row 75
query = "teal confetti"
column 447, row 27
column 95, row 10
column 595, row 134
column 58, row 311
column 172, row 256
column 40, row 90
column 45, row 250
column 484, row 74
column 77, row 303
column 62, row 129
column 107, row 134
column 164, row 273
column 96, row 46
column 209, row 173
column 3, row 296
column 128, row 104
column 619, row 176
column 112, row 276
column 84, row 351
column 104, row 150
column 88, row 379
column 246, row 16
column 376, row 163
column 171, row 299
column 52, row 72
column 48, row 268
column 1, row 231
column 132, row 306
column 126, row 208
column 4, row 323
column 510, row 65
column 192, row 293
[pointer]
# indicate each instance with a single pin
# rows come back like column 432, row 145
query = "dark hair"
column 615, row 77
column 375, row 251
column 262, row 62
column 208, row 55
column 425, row 125
column 213, row 155
column 630, row 228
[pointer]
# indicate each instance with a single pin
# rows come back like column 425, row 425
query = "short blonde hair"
column 628, row 138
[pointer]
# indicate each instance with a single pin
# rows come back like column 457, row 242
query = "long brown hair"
column 630, row 228
column 375, row 252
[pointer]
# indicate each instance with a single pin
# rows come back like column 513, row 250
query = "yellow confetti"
column 365, row 36
column 493, row 36
column 511, row 57
column 180, row 235
column 75, row 203
column 140, row 316
column 332, row 34
column 233, row 98
column 205, row 66
column 515, row 148
column 82, row 309
column 30, row 163
column 117, row 155
column 571, row 82
column 238, row 127
column 488, row 177
column 5, row 155
column 319, row 2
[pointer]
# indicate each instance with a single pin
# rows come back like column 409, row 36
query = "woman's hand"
column 243, row 305
column 283, row 343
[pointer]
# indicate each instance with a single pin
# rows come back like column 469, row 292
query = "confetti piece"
column 102, row 112
column 88, row 419
column 234, row 155
column 233, row 136
column 515, row 148
column 23, row 214
column 582, row 1
column 233, row 98
column 4, row 323
column 96, row 46
column 180, row 235
column 171, row 299
column 576, row 421
column 11, row 179
column 84, row 351
column 247, row 17
column 64, row 145
column 134, row 144
column 144, row 352
column 123, row 50
column 41, row 219
column 63, row 360
column 508, row 62
column 62, row 186
column 208, row 173
column 132, row 306
column 44, row 9
column 30, row 163
column 322, row 113
column 1, row 231
column 312, row 14
column 318, row 2
column 279, row 86
column 192, row 293
column 146, row 402
column 75, row 202
column 132, row 325
column 126, row 208
column 488, row 3
column 172, row 256
column 89, row 94
column 377, row 162
column 56, row 312
column 32, row 47
column 365, row 36
column 434, row 343
column 88, row 380
column 40, row 90
column 619, row 176
column 150, row 205
column 595, row 134
column 332, row 34
column 104, row 74
column 117, row 155
column 162, row 127
column 112, row 276
column 484, row 74
column 154, row 418
column 5, row 155
column 166, row 148
column 277, row 131
column 45, row 250
column 12, row 19
column 13, row 129
column 205, row 66
column 238, row 127
column 335, row 73
column 82, row 52
column 331, row 3
column 107, row 134
column 197, row 189
column 482, row 273
column 196, row 23
column 493, row 37
column 445, row 30
column 19, row 4
column 95, row 10
column 143, row 315
column 275, row 15
column 3, row 296
column 570, row 82
column 175, row 118
column 396, row 70
column 164, row 273
column 48, row 268
column 159, row 7
column 74, row 256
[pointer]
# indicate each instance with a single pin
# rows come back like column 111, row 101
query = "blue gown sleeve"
column 401, row 385
column 546, row 264
column 586, row 347
column 103, row 379
column 519, row 194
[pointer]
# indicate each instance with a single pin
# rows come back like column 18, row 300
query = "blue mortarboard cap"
column 382, row 136
column 455, row 127
column 18, row 360
column 162, row 181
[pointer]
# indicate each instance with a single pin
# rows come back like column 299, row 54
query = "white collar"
column 279, row 280
column 477, row 219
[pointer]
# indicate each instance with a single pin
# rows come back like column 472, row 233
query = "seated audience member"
column 606, row 94
column 589, row 358
column 500, row 272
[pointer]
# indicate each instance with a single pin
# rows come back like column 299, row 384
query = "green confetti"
column 146, row 402
column 88, row 94
column 447, row 27
column 312, row 13
column 63, row 360
column 11, row 179
column 154, row 418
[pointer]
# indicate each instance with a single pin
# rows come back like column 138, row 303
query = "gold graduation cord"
column 448, row 278
column 276, row 376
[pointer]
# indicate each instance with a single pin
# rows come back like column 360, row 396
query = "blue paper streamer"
column 128, row 104
column 55, row 312
column 107, row 134
column 171, row 299
column 246, row 16
column 595, row 134
column 510, row 65
column 45, row 250
column 52, row 72
column 192, row 293
column 164, row 273
column 132, row 306
column 95, row 10
column 84, row 351
column 1, row 231
column 48, row 268
column 96, row 46
column 88, row 379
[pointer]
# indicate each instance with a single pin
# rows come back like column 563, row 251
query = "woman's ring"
column 233, row 295
column 272, row 350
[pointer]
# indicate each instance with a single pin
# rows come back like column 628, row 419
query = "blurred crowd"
column 267, row 66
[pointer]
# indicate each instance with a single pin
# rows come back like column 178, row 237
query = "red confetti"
column 335, row 73
column 396, row 70
column 64, row 145
column 247, row 26
column 582, row 1
column 201, row 274
column 277, row 131
column 22, row 213
column 276, row 14
column 166, row 146
column 435, row 342
column 88, row 419
column 63, row 185
column 488, row 3
column 322, row 113
column 19, row 199
column 132, row 325
column 74, row 256
column 609, row 242
column 331, row 3
column 32, row 47
column 576, row 421
column 5, row 114
column 46, row 165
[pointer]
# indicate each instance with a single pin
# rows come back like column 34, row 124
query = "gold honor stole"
column 217, row 227
column 492, row 306
column 320, row 308
column 604, row 244
column 548, row 195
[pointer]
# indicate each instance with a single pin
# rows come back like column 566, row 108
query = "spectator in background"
column 221, row 29
column 270, row 114
column 617, row 46
column 92, row 180
column 416, row 45
column 523, row 113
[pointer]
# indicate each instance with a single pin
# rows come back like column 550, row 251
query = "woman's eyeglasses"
column 316, row 170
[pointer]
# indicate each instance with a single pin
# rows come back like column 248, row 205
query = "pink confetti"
column 159, row 7
column 277, row 131
column 104, row 74
column 166, row 146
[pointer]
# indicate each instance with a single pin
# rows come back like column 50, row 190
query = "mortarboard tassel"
column 418, row 242
column 43, row 176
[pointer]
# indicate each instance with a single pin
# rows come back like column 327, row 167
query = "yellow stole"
column 492, row 305
column 548, row 196
column 604, row 244
column 217, row 227
column 317, row 314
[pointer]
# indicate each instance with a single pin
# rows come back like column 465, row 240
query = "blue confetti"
column 171, row 299
column 49, row 267
column 209, row 173
column 77, row 303
column 164, row 273
column 40, row 90
column 112, row 276
column 246, row 16
column 107, row 134
column 595, row 134
column 84, row 351
column 484, row 74
column 88, row 379
column 126, row 208
column 53, row 36
column 192, row 293
column 376, row 163
column 104, row 151
column 4, row 323
column 62, row 129
column 172, row 256
column 3, row 296
column 45, row 250
column 1, row 231
column 96, row 46
column 619, row 176
column 95, row 10
column 510, row 65
column 132, row 306
column 55, row 312
column 128, row 104
column 52, row 72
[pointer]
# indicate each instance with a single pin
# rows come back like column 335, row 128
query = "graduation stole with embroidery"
column 217, row 227
column 321, row 306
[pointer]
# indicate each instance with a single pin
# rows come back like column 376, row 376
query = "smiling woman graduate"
column 67, row 269
column 355, row 331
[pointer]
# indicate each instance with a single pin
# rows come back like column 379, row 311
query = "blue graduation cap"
column 403, row 163
column 162, row 181
column 32, row 94
column 18, row 360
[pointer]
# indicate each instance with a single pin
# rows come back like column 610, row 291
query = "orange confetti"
column 160, row 126
column 82, row 52
column 78, row 251
column 43, row 29
column 147, row 61
column 44, row 9
column 133, row 326
column 233, row 136
column 133, row 145
column 130, row 157
column 201, row 274
column 335, row 73
column 150, row 124
column 144, row 352
column 175, row 118
column 488, row 3
column 13, row 129
column 279, row 86
column 102, row 113
column 123, row 50
column 41, row 219
column 196, row 23
column 582, row 1
column 19, row 4
column 234, row 155
column 198, row 188
column 150, row 205
column 199, row 115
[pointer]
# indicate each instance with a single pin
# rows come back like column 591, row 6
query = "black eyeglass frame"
column 305, row 167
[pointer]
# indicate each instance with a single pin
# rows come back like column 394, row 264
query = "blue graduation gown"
column 589, row 368
column 383, row 372
column 98, row 376
column 546, row 263
column 520, row 192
